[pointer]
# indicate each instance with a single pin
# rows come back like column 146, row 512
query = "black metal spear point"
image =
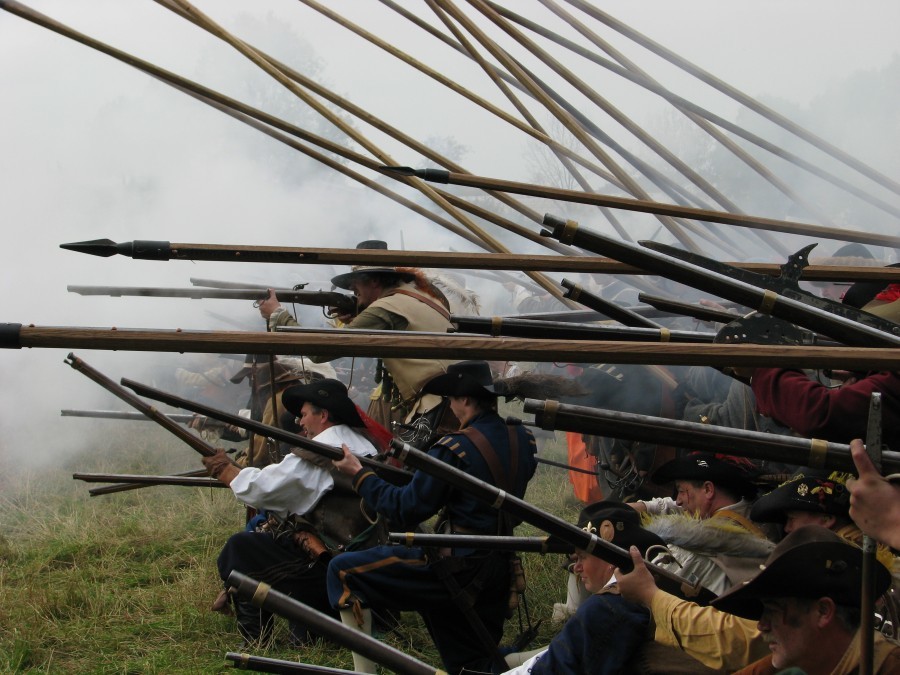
column 138, row 249
column 431, row 175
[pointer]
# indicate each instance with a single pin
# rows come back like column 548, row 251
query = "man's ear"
column 825, row 612
column 709, row 488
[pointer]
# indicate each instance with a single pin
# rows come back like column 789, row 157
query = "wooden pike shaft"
column 646, row 206
column 282, row 78
column 474, row 261
column 386, row 344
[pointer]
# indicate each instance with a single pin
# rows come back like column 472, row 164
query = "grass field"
column 123, row 583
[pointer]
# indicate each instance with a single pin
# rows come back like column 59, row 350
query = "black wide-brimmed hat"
column 807, row 490
column 328, row 394
column 466, row 378
column 617, row 523
column 811, row 562
column 343, row 280
column 734, row 473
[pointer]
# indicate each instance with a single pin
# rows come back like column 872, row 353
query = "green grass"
column 122, row 583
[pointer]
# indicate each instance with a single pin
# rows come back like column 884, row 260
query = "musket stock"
column 557, row 527
column 263, row 595
column 813, row 453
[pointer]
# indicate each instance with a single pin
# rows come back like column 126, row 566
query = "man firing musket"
column 393, row 298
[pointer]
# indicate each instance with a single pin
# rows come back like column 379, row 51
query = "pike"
column 776, row 298
column 343, row 303
column 331, row 452
column 814, row 453
column 482, row 542
column 263, row 595
column 562, row 330
column 552, row 525
column 145, row 249
column 386, row 344
column 645, row 206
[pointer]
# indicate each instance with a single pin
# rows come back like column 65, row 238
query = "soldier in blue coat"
column 461, row 594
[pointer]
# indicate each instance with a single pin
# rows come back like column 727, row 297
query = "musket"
column 263, row 664
column 386, row 344
column 191, row 439
column 181, row 418
column 295, row 440
column 263, row 595
column 623, row 315
column 552, row 525
column 125, row 487
column 814, row 453
column 482, row 542
column 164, row 250
column 343, row 303
column 530, row 328
column 140, row 479
column 645, row 206
column 846, row 324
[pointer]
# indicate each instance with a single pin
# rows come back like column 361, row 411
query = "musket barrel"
column 125, row 487
column 621, row 314
column 263, row 664
column 135, row 479
column 192, row 440
column 531, row 328
column 482, row 542
column 320, row 298
column 123, row 415
column 263, row 595
column 386, row 344
column 753, row 444
column 550, row 524
column 765, row 301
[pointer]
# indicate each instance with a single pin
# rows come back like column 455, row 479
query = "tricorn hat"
column 466, row 378
column 807, row 490
column 329, row 394
column 811, row 562
column 732, row 473
column 343, row 280
column 618, row 524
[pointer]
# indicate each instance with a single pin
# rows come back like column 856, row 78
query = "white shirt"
column 295, row 485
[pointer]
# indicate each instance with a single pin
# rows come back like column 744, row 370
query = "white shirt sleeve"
column 295, row 485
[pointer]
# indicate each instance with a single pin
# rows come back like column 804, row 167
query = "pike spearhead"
column 138, row 249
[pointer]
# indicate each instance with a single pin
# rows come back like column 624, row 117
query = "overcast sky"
column 91, row 148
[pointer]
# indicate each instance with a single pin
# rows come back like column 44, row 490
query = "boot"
column 348, row 617
column 254, row 624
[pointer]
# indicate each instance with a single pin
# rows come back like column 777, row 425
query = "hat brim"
column 802, row 572
column 455, row 384
column 344, row 280
column 773, row 507
column 294, row 397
